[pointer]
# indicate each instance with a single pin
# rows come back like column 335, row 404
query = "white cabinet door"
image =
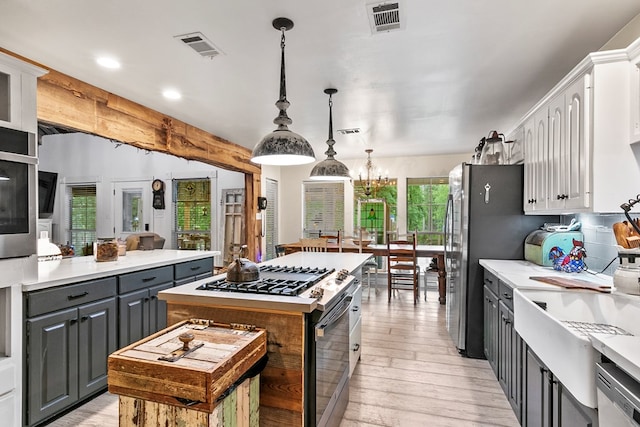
column 529, row 165
column 540, row 160
column 10, row 97
column 634, row 66
column 558, row 159
column 577, row 174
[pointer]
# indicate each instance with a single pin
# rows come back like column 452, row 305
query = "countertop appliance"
column 326, row 373
column 618, row 397
column 626, row 278
column 539, row 244
column 484, row 219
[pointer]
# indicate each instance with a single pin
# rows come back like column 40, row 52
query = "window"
column 323, row 208
column 270, row 219
column 426, row 206
column 192, row 213
column 388, row 193
column 82, row 218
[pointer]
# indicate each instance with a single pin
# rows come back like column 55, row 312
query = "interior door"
column 132, row 207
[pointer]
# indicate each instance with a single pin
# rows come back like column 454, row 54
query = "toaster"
column 539, row 245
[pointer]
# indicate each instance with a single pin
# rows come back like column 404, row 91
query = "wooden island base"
column 281, row 381
column 238, row 409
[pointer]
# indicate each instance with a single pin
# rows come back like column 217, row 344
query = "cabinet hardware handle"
column 154, row 297
column 84, row 318
column 355, row 308
column 507, row 321
column 72, row 297
column 73, row 321
column 146, row 298
column 148, row 279
column 506, row 295
column 356, row 347
column 197, row 267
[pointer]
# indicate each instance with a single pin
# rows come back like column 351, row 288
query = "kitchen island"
column 287, row 384
column 78, row 311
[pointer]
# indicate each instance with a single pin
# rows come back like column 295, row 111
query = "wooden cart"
column 196, row 372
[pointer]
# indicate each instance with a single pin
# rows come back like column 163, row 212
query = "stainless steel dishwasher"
column 618, row 397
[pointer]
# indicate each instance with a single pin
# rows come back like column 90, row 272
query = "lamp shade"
column 282, row 147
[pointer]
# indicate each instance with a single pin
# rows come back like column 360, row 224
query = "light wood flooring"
column 410, row 374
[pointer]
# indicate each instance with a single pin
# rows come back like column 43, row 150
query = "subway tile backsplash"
column 599, row 240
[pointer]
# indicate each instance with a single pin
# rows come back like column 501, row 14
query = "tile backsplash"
column 599, row 241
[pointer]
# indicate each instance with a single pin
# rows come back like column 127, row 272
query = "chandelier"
column 374, row 179
column 282, row 147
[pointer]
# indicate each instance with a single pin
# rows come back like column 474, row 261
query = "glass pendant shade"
column 283, row 147
column 493, row 151
column 330, row 169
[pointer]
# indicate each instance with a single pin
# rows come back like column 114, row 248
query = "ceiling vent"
column 384, row 17
column 199, row 43
column 348, row 131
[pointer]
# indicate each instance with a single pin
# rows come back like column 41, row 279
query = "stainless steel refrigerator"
column 485, row 219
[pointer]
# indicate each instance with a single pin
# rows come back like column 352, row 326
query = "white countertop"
column 623, row 350
column 516, row 274
column 188, row 294
column 69, row 270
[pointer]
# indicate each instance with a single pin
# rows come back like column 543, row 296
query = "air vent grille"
column 199, row 43
column 384, row 17
column 348, row 131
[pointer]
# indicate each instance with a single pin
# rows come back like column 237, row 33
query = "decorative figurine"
column 571, row 263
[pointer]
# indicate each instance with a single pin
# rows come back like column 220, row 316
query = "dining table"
column 422, row 251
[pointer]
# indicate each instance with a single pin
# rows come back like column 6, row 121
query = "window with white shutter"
column 271, row 219
column 323, row 208
column 82, row 207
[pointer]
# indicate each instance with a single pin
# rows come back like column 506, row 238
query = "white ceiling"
column 457, row 70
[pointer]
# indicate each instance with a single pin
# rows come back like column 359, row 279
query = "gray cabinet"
column 548, row 403
column 141, row 312
column 191, row 271
column 70, row 331
column 503, row 346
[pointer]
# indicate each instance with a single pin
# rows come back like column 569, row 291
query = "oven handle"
column 331, row 320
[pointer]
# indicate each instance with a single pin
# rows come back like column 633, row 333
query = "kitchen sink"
column 556, row 324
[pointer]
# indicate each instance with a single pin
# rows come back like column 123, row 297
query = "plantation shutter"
column 82, row 218
column 323, row 207
column 271, row 219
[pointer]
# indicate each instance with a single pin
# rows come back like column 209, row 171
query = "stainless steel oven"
column 18, row 199
column 327, row 368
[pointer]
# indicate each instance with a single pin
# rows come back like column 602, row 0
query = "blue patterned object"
column 571, row 263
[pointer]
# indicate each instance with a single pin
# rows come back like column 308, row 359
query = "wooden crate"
column 199, row 379
column 239, row 409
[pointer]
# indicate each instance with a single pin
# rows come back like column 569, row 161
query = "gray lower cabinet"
column 70, row 332
column 491, row 328
column 190, row 271
column 141, row 314
column 548, row 403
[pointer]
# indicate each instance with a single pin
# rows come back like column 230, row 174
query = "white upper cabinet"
column 577, row 156
column 18, row 93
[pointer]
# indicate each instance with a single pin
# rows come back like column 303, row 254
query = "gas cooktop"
column 274, row 279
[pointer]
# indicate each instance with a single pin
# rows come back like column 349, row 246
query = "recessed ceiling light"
column 171, row 94
column 108, row 62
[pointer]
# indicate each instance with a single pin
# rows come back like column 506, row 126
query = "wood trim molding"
column 66, row 101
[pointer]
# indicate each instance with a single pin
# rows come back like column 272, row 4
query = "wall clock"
column 158, row 193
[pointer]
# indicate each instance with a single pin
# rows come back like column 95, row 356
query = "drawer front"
column 491, row 281
column 356, row 308
column 62, row 297
column 506, row 295
column 193, row 268
column 146, row 278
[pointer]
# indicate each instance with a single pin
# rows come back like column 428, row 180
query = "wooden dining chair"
column 333, row 238
column 313, row 245
column 403, row 271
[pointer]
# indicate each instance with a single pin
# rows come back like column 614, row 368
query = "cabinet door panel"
column 504, row 348
column 537, row 411
column 134, row 317
column 157, row 308
column 97, row 339
column 52, row 363
column 558, row 153
column 491, row 331
column 577, row 175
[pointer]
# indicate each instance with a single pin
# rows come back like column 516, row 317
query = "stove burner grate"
column 274, row 280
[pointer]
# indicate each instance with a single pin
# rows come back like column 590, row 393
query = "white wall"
column 290, row 180
column 80, row 157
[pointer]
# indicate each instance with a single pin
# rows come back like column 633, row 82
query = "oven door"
column 18, row 205
column 332, row 364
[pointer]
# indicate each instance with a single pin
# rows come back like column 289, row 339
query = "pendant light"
column 283, row 147
column 330, row 169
